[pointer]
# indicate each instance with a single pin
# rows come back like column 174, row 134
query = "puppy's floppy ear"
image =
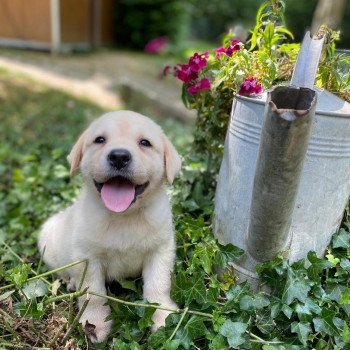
column 76, row 154
column 172, row 160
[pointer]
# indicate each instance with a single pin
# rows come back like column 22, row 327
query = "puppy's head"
column 124, row 156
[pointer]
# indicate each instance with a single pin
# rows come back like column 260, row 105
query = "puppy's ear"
column 76, row 154
column 172, row 160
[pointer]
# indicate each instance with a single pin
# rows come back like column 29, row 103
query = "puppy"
column 121, row 221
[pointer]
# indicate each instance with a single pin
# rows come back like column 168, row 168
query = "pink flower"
column 198, row 61
column 156, row 45
column 204, row 84
column 250, row 87
column 220, row 50
column 234, row 46
column 185, row 73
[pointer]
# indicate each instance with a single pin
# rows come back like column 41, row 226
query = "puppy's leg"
column 157, row 282
column 96, row 311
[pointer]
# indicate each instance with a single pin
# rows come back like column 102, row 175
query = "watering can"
column 284, row 180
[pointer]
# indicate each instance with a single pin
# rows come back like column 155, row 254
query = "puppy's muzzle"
column 119, row 158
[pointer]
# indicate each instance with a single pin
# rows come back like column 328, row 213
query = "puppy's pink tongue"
column 117, row 195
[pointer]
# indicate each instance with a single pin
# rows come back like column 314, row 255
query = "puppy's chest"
column 121, row 264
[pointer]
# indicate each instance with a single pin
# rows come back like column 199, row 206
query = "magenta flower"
column 250, row 87
column 198, row 61
column 185, row 73
column 234, row 46
column 204, row 84
column 156, row 45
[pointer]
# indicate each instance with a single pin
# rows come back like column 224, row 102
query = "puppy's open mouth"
column 119, row 193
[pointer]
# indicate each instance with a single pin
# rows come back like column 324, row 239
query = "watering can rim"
column 261, row 99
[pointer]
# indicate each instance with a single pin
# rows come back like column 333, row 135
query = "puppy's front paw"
column 159, row 317
column 95, row 328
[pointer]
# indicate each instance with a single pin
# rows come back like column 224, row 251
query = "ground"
column 108, row 78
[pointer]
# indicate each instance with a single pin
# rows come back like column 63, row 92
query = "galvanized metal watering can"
column 284, row 180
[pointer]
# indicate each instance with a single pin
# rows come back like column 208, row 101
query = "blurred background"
column 112, row 52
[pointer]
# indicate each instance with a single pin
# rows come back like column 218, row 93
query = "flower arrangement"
column 212, row 79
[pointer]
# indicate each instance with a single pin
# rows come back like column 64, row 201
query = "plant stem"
column 48, row 273
column 262, row 341
column 76, row 319
column 83, row 275
column 179, row 324
column 178, row 311
column 64, row 296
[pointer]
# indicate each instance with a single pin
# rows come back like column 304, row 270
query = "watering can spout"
column 288, row 117
column 305, row 70
column 284, row 140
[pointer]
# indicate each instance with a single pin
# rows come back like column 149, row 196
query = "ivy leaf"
column 227, row 253
column 341, row 240
column 171, row 344
column 193, row 330
column 234, row 333
column 345, row 334
column 188, row 288
column 157, row 339
column 253, row 303
column 296, row 288
column 302, row 329
column 217, row 343
column 317, row 265
column 325, row 323
column 146, row 314
column 128, row 284
column 345, row 264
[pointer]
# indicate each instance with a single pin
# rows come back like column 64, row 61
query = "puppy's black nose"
column 119, row 158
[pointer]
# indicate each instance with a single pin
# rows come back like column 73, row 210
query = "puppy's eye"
column 100, row 139
column 145, row 143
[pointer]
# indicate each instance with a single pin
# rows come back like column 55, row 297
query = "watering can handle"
column 307, row 62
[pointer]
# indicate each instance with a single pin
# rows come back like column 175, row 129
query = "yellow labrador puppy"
column 121, row 221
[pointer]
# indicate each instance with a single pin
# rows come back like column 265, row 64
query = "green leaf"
column 345, row 297
column 217, row 343
column 193, row 330
column 146, row 317
column 188, row 288
column 234, row 333
column 345, row 334
column 302, row 329
column 325, row 323
column 120, row 345
column 296, row 288
column 341, row 240
column 171, row 344
column 288, row 311
column 317, row 265
column 128, row 284
column 157, row 339
column 226, row 254
column 36, row 288
column 253, row 303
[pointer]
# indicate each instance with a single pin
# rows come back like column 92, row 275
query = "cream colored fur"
column 117, row 245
